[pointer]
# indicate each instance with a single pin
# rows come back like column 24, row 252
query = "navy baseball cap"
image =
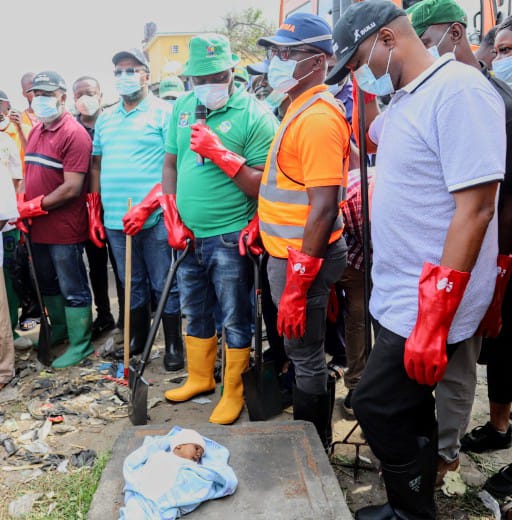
column 300, row 29
column 358, row 22
column 255, row 69
column 48, row 80
column 134, row 53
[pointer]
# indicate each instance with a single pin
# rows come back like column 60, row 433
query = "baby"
column 160, row 471
column 188, row 444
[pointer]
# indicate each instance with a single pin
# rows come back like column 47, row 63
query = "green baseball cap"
column 432, row 12
column 209, row 54
column 171, row 86
column 241, row 74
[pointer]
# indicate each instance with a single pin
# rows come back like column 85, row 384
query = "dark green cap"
column 433, row 12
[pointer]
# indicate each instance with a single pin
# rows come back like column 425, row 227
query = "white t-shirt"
column 10, row 168
column 443, row 132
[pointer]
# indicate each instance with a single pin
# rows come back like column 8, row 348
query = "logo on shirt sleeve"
column 184, row 119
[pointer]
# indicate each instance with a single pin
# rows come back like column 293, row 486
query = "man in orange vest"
column 298, row 206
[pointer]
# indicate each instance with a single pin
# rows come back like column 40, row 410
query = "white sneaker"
column 22, row 343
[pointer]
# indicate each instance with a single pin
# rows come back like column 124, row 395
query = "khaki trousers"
column 6, row 340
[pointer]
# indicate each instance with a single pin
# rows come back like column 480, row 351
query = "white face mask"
column 280, row 73
column 47, row 108
column 4, row 123
column 88, row 105
column 212, row 95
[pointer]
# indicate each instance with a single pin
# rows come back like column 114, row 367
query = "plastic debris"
column 22, row 506
column 201, row 400
column 453, row 484
column 83, row 458
column 9, row 446
column 490, row 503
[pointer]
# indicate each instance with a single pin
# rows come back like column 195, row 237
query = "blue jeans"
column 215, row 271
column 60, row 269
column 151, row 261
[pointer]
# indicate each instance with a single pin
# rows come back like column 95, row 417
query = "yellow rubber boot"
column 201, row 355
column 232, row 401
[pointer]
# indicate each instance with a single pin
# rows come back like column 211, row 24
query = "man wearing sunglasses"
column 434, row 236
column 127, row 157
column 299, row 216
column 216, row 147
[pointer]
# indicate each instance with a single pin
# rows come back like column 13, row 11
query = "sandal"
column 336, row 371
column 29, row 324
column 500, row 484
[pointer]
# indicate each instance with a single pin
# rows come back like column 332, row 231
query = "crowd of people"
column 227, row 161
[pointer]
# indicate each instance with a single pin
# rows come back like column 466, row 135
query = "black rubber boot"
column 315, row 409
column 383, row 512
column 331, row 391
column 173, row 359
column 140, row 321
column 410, row 488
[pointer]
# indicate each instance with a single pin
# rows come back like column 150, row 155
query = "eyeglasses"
column 283, row 53
column 130, row 71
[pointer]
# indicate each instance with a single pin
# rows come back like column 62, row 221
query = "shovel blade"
column 138, row 405
column 262, row 393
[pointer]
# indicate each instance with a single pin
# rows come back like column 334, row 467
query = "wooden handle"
column 127, row 294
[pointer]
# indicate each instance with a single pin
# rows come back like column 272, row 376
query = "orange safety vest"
column 283, row 212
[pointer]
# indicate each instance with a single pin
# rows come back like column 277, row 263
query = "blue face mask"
column 280, row 73
column 503, row 69
column 46, row 108
column 369, row 83
column 127, row 84
column 434, row 50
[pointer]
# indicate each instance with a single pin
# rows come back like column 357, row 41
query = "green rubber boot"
column 79, row 322
column 56, row 312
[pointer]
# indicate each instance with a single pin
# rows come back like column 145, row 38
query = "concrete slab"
column 281, row 467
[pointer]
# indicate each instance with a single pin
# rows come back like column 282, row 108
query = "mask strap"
column 389, row 60
column 373, row 47
column 443, row 36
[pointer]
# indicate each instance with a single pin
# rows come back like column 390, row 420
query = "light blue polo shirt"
column 443, row 132
column 132, row 149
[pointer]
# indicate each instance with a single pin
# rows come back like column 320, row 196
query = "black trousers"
column 98, row 273
column 393, row 410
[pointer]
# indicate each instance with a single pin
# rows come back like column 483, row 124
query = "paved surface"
column 282, row 470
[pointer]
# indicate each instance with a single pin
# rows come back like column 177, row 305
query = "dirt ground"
column 94, row 412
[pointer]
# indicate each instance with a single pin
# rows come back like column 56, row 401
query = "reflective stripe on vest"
column 269, row 192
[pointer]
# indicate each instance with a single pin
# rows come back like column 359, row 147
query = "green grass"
column 65, row 496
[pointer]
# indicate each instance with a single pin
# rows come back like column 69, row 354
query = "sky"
column 77, row 38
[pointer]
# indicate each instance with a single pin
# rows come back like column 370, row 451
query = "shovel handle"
column 258, row 310
column 127, row 296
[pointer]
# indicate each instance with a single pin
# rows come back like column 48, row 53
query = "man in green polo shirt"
column 211, row 176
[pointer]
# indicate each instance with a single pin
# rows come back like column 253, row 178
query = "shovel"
column 261, row 386
column 127, row 296
column 138, row 405
column 45, row 331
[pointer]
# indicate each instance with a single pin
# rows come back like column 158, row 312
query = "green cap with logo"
column 171, row 86
column 433, row 12
column 209, row 54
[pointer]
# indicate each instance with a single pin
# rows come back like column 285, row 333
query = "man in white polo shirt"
column 434, row 236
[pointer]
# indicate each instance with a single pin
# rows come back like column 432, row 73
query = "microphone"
column 200, row 118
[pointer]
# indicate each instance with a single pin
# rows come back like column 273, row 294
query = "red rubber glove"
column 27, row 210
column 440, row 292
column 491, row 324
column 206, row 143
column 96, row 229
column 250, row 238
column 301, row 271
column 178, row 233
column 136, row 217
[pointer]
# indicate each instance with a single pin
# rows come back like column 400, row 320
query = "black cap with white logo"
column 358, row 22
column 48, row 81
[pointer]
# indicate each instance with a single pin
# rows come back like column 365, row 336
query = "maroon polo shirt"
column 65, row 147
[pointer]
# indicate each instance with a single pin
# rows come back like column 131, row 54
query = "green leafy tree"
column 243, row 29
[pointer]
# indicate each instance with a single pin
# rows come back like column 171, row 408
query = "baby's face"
column 189, row 451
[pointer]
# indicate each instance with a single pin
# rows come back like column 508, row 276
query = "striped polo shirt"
column 131, row 146
column 63, row 147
